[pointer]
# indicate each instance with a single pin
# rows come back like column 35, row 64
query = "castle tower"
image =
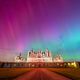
column 28, row 54
column 39, row 54
column 20, row 54
column 47, row 53
column 58, row 58
column 19, row 58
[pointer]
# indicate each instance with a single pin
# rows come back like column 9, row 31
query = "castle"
column 39, row 56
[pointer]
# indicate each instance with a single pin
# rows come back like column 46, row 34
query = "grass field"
column 8, row 73
column 73, row 73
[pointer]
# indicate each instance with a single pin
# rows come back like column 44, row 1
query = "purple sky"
column 40, row 24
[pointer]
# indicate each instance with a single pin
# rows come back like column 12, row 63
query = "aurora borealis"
column 40, row 24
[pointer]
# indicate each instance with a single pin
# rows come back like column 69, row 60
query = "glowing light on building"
column 39, row 56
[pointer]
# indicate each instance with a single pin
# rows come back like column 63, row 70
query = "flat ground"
column 39, row 74
column 9, row 73
column 73, row 73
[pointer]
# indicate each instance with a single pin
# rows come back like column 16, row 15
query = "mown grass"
column 73, row 73
column 8, row 73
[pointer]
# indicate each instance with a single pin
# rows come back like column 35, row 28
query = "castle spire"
column 20, row 54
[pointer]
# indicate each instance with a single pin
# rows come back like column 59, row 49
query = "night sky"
column 40, row 24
